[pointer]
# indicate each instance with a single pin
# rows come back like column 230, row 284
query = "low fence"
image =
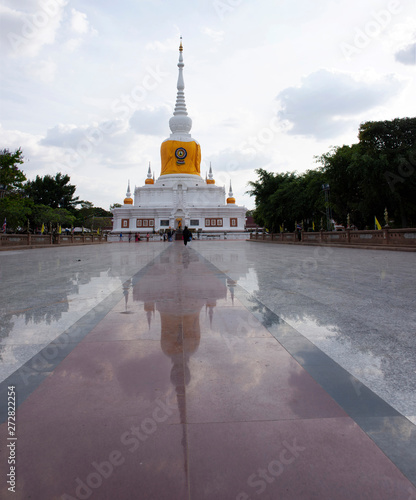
column 33, row 240
column 379, row 238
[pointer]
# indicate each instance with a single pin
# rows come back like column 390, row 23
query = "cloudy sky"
column 88, row 87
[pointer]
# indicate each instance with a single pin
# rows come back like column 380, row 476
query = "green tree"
column 16, row 211
column 389, row 159
column 11, row 177
column 377, row 173
column 54, row 192
column 342, row 170
column 42, row 214
column 93, row 217
column 283, row 198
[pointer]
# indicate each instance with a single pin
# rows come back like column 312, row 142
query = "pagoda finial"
column 210, row 179
column 180, row 123
column 128, row 200
column 149, row 179
column 230, row 199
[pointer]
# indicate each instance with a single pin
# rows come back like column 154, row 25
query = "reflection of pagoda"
column 179, row 300
column 180, row 196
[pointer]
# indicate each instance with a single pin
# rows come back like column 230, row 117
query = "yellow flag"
column 378, row 226
column 42, row 230
column 281, row 229
column 60, row 229
column 313, row 226
column 98, row 231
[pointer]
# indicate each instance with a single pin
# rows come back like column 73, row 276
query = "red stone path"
column 179, row 392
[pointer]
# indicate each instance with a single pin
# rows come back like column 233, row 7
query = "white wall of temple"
column 153, row 195
column 133, row 219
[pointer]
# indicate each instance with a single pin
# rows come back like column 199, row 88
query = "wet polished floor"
column 223, row 370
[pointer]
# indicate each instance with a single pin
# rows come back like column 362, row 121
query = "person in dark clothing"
column 186, row 235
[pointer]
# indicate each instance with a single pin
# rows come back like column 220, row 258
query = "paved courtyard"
column 221, row 370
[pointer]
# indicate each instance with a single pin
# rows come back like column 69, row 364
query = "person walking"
column 186, row 235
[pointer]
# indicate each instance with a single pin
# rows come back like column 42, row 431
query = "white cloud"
column 151, row 121
column 407, row 55
column 79, row 22
column 81, row 27
column 25, row 32
column 216, row 36
column 325, row 103
column 234, row 67
column 164, row 46
column 230, row 160
column 43, row 70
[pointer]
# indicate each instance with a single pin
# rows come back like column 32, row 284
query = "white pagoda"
column 180, row 196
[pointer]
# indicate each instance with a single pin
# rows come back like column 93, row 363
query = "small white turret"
column 128, row 200
column 210, row 179
column 150, row 179
column 230, row 199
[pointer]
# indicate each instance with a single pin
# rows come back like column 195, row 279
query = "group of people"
column 187, row 236
column 136, row 237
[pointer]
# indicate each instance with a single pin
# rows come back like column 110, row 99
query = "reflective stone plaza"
column 220, row 370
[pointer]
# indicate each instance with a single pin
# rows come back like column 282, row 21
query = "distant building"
column 180, row 196
column 251, row 225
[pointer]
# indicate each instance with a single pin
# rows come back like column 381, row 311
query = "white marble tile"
column 357, row 306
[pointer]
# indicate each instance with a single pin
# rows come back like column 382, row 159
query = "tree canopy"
column 364, row 179
column 11, row 177
column 54, row 192
column 48, row 200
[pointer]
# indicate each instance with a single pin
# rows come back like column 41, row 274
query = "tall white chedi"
column 180, row 154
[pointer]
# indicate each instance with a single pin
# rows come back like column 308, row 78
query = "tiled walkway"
column 173, row 381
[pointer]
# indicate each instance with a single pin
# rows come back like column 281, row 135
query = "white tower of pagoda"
column 179, row 196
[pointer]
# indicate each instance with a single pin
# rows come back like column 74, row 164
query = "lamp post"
column 325, row 188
